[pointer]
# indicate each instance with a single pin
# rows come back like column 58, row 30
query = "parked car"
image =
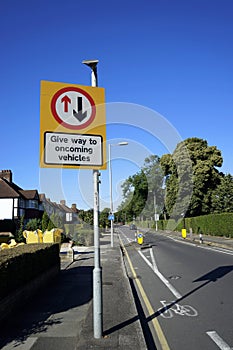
column 133, row 227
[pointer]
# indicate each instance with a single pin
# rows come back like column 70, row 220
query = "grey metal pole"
column 111, row 202
column 155, row 210
column 97, row 272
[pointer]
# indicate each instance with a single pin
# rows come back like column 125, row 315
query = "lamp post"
column 110, row 183
column 97, row 271
column 155, row 212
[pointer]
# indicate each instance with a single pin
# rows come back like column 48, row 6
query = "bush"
column 213, row 224
column 33, row 224
column 21, row 264
column 84, row 237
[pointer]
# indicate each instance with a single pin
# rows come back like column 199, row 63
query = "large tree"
column 191, row 176
column 135, row 190
column 143, row 193
column 222, row 196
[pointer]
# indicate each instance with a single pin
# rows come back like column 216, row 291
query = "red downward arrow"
column 66, row 101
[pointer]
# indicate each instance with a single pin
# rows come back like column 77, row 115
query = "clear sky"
column 171, row 57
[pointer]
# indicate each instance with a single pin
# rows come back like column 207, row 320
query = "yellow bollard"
column 140, row 238
column 183, row 232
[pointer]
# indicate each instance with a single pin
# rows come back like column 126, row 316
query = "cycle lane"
column 183, row 320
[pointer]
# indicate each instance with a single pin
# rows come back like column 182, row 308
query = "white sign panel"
column 73, row 149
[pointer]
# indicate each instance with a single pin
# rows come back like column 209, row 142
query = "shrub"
column 23, row 263
column 213, row 224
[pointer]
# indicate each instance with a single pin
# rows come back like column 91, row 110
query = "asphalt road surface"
column 185, row 291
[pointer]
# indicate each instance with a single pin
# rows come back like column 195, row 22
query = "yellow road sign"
column 72, row 126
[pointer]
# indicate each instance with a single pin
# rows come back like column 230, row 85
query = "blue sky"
column 171, row 57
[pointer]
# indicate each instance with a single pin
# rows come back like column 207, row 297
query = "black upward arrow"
column 79, row 115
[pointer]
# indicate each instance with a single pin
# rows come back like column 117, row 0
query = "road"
column 185, row 292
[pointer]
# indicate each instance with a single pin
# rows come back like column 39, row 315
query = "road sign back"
column 68, row 109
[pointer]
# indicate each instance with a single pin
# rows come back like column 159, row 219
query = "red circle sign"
column 73, row 108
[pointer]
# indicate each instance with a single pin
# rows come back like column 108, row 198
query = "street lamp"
column 97, row 271
column 123, row 143
column 155, row 211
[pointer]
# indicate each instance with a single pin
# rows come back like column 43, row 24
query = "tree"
column 143, row 192
column 19, row 232
column 55, row 221
column 222, row 196
column 135, row 191
column 155, row 179
column 86, row 216
column 103, row 218
column 33, row 224
column 191, row 176
column 45, row 221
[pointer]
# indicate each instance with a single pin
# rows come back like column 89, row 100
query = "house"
column 16, row 202
column 61, row 210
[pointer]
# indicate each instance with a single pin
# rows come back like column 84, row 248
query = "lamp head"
column 91, row 63
column 123, row 143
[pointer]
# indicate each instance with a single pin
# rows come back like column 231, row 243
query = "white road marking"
column 156, row 271
column 213, row 248
column 162, row 278
column 218, row 340
column 153, row 259
column 129, row 240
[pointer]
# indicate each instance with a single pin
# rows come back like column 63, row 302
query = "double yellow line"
column 161, row 337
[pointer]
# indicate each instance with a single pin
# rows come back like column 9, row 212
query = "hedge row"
column 213, row 224
column 80, row 234
column 21, row 264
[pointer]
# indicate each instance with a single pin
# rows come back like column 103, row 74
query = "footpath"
column 205, row 240
column 60, row 316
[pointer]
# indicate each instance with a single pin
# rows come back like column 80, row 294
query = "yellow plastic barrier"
column 12, row 244
column 52, row 236
column 33, row 236
column 37, row 236
column 4, row 246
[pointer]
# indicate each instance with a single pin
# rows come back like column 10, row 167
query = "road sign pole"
column 97, row 272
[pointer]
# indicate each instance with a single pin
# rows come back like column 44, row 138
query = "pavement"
column 60, row 316
column 206, row 240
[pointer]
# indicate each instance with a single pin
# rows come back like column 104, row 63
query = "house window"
column 21, row 203
column 32, row 204
column 21, row 212
column 68, row 216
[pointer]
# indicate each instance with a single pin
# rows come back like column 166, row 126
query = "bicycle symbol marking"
column 171, row 308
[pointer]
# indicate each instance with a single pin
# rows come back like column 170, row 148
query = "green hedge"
column 162, row 224
column 80, row 234
column 21, row 264
column 213, row 224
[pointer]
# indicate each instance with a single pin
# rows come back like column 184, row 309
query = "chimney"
column 74, row 208
column 42, row 197
column 6, row 174
column 63, row 202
